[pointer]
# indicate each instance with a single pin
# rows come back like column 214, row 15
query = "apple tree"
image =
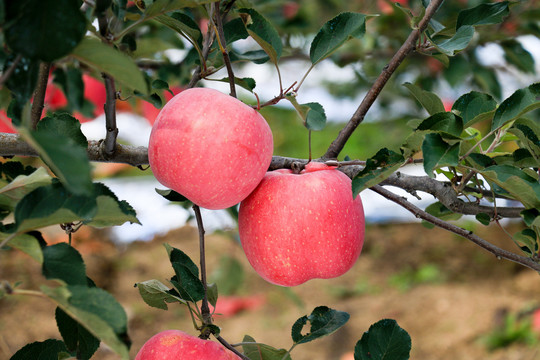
column 479, row 148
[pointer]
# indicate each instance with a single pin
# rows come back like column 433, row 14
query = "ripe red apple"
column 210, row 147
column 150, row 112
column 297, row 227
column 176, row 345
column 228, row 306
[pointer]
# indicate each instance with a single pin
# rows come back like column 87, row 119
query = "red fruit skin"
column 150, row 112
column 5, row 124
column 228, row 306
column 177, row 345
column 210, row 147
column 94, row 91
column 297, row 227
column 536, row 321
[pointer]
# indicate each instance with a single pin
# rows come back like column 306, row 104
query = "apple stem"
column 231, row 347
column 309, row 145
column 205, row 309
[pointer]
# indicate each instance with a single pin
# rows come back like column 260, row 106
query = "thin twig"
column 407, row 47
column 38, row 103
column 110, row 117
column 223, row 47
column 469, row 235
column 205, row 309
column 5, row 76
column 231, row 348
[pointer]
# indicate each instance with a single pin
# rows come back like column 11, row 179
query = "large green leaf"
column 385, row 340
column 312, row 114
column 44, row 29
column 157, row 294
column 50, row 205
column 262, row 31
column 62, row 262
column 438, row 153
column 110, row 210
column 456, row 43
column 96, row 310
column 29, row 243
column 471, row 106
column 184, row 25
column 528, row 132
column 335, row 33
column 447, row 124
column 519, row 184
column 186, row 279
column 515, row 54
column 520, row 102
column 50, row 349
column 76, row 337
column 384, row 163
column 483, row 14
column 104, row 58
column 258, row 351
column 22, row 185
column 323, row 320
column 430, row 101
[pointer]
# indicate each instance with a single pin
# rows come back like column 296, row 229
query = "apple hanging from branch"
column 176, row 344
column 210, row 147
column 297, row 227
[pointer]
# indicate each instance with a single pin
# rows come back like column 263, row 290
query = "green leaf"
column 519, row 184
column 96, row 310
column 184, row 25
column 438, row 153
column 110, row 210
column 335, row 33
column 229, row 275
column 437, row 209
column 235, row 30
column 62, row 262
column 520, row 102
column 62, row 146
column 22, row 185
column 447, row 124
column 22, row 81
column 323, row 320
column 483, row 14
column 259, row 351
column 247, row 83
column 312, row 114
column 103, row 58
column 50, row 205
column 171, row 195
column 180, row 257
column 50, row 349
column 515, row 54
column 378, row 167
column 385, row 340
column 156, row 294
column 487, row 80
column 471, row 106
column 531, row 217
column 430, row 101
column 528, row 133
column 34, row 25
column 456, row 43
column 186, row 280
column 262, row 31
column 483, row 219
column 29, row 243
column 76, row 337
column 527, row 241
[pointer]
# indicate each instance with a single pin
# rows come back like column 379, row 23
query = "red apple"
column 447, row 104
column 535, row 321
column 94, row 91
column 297, row 227
column 54, row 97
column 227, row 306
column 150, row 112
column 5, row 124
column 210, row 147
column 176, row 345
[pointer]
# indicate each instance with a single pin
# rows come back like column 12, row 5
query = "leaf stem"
column 231, row 348
column 223, row 46
column 304, row 77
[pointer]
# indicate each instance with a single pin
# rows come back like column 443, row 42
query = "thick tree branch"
column 469, row 235
column 39, row 94
column 409, row 45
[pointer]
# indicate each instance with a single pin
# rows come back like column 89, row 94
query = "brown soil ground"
column 446, row 292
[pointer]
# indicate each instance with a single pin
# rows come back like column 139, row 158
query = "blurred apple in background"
column 229, row 305
column 5, row 123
